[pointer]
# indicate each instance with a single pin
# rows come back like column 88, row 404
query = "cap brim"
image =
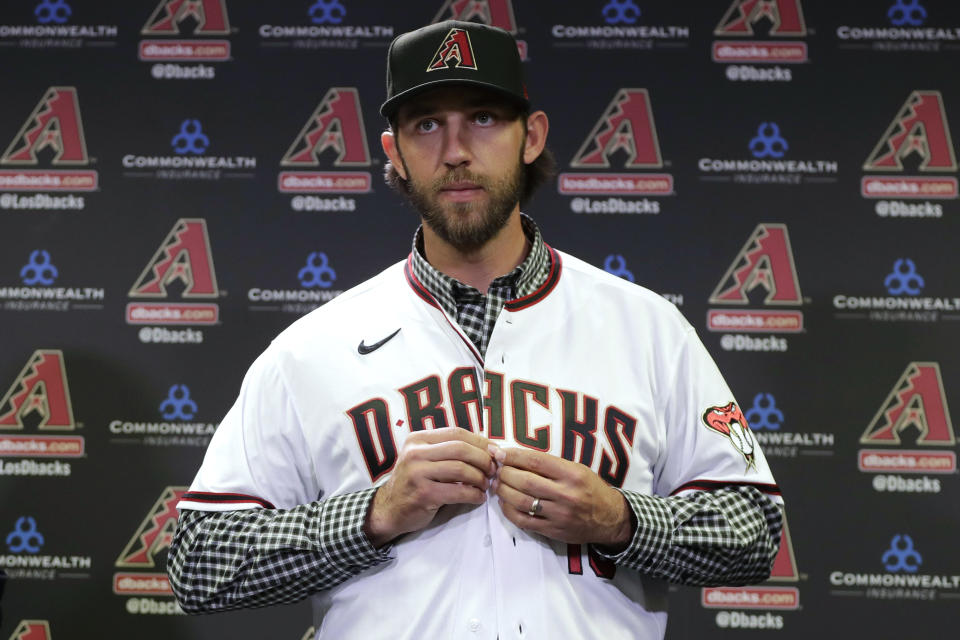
column 389, row 108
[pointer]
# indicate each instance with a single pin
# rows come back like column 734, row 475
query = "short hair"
column 535, row 174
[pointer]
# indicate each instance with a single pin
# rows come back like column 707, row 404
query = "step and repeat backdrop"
column 181, row 179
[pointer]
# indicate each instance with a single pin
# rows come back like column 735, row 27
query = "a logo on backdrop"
column 178, row 405
column 179, row 427
column 184, row 259
column 324, row 28
column 169, row 21
column 39, row 269
column 208, row 16
column 914, row 414
column 909, row 13
column 764, row 266
column 901, row 561
column 901, row 556
column 744, row 19
column 32, row 630
column 39, row 394
column 56, row 11
column 920, row 127
column 316, row 278
column 771, row 429
column 25, row 560
column 615, row 264
column 496, row 13
column 52, row 133
column 38, row 275
column 51, row 28
column 327, row 12
column 54, row 124
column 621, row 28
column 24, row 538
column 900, row 32
column 904, row 279
column 728, row 421
column 904, row 283
column 184, row 256
column 144, row 556
column 456, row 51
column 188, row 143
column 768, row 163
column 38, row 401
column 190, row 138
column 768, row 143
column 624, row 136
column 772, row 595
column 333, row 134
column 625, row 126
column 916, row 401
column 918, row 134
column 785, row 18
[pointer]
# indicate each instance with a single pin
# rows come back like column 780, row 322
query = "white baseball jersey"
column 588, row 367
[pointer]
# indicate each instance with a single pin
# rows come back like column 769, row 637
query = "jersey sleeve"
column 257, row 456
column 709, row 444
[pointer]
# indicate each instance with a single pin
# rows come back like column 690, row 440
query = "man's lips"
column 461, row 190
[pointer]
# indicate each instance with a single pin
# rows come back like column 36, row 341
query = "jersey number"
column 602, row 567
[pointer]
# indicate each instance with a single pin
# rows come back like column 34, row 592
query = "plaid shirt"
column 226, row 560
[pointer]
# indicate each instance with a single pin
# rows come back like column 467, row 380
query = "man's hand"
column 575, row 506
column 434, row 468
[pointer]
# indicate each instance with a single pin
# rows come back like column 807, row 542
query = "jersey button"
column 487, row 541
column 474, row 625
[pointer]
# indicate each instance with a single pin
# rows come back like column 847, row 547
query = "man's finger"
column 529, row 484
column 539, row 463
column 461, row 450
column 451, row 471
column 446, row 434
column 521, row 501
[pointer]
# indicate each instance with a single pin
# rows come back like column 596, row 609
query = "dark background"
column 832, row 379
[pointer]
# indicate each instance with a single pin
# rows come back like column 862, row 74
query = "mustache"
column 459, row 175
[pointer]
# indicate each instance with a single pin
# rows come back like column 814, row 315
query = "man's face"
column 462, row 154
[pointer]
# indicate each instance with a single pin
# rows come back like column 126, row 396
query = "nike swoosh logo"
column 364, row 349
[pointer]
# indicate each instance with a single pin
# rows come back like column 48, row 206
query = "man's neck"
column 479, row 268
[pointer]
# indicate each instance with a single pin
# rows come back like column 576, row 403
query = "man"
column 519, row 444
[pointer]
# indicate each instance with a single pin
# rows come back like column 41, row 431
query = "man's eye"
column 484, row 118
column 426, row 126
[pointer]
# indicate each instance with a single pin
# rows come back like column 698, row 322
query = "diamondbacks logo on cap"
column 919, row 127
column 41, row 388
column 210, row 16
column 766, row 261
column 496, row 13
column 335, row 125
column 183, row 256
column 917, row 400
column 54, row 124
column 626, row 125
column 32, row 630
column 785, row 16
column 456, row 48
column 155, row 532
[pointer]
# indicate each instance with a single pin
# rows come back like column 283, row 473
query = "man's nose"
column 456, row 148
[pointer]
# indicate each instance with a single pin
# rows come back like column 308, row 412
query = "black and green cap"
column 453, row 53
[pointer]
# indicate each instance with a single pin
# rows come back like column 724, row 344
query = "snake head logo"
column 728, row 421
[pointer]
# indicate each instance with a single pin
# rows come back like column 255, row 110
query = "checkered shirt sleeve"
column 221, row 560
column 727, row 536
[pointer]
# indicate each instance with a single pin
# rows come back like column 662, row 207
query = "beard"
column 468, row 226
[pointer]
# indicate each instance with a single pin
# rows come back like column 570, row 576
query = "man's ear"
column 389, row 143
column 537, row 127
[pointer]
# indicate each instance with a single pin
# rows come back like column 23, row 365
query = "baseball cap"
column 453, row 53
